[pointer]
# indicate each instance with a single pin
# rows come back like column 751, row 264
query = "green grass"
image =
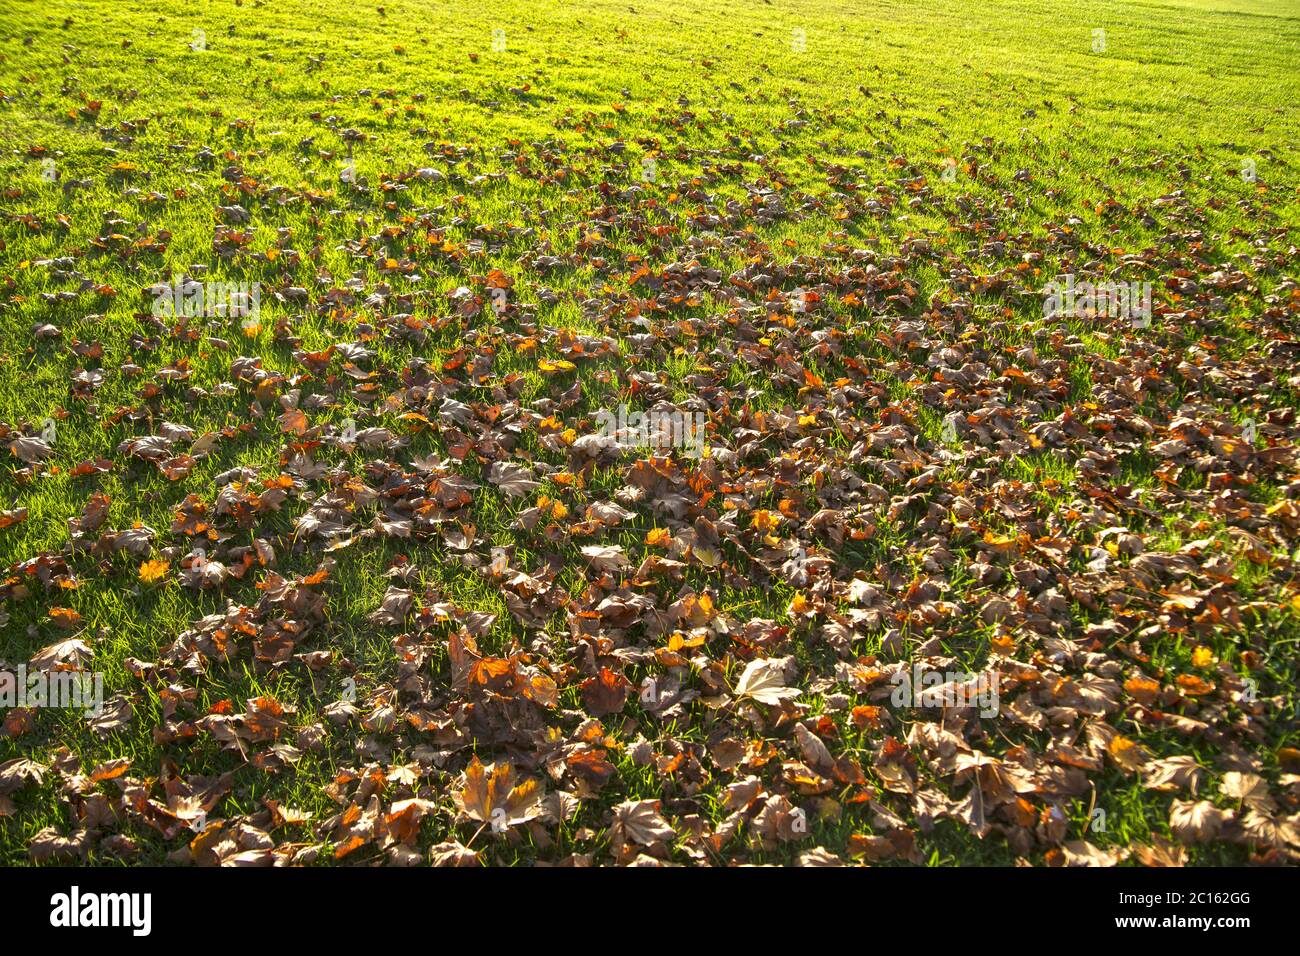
column 718, row 94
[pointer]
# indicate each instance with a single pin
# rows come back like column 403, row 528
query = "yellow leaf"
column 558, row 510
column 151, row 571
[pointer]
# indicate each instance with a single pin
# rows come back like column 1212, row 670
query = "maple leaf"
column 606, row 557
column 30, row 449
column 1083, row 853
column 515, row 480
column 491, row 795
column 19, row 771
column 49, row 845
column 70, row 650
column 1160, row 852
column 1249, row 788
column 293, row 421
column 453, row 854
column 763, row 679
column 1196, row 822
column 605, row 693
column 1172, row 773
column 638, row 821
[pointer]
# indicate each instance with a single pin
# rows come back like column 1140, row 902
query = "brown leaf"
column 1173, row 773
column 605, row 693
column 1197, row 822
column 491, row 796
column 638, row 821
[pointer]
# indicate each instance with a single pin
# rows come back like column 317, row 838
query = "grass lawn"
column 367, row 580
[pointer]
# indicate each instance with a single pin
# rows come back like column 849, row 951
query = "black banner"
column 306, row 905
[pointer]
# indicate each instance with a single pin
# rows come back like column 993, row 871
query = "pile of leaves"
column 415, row 568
